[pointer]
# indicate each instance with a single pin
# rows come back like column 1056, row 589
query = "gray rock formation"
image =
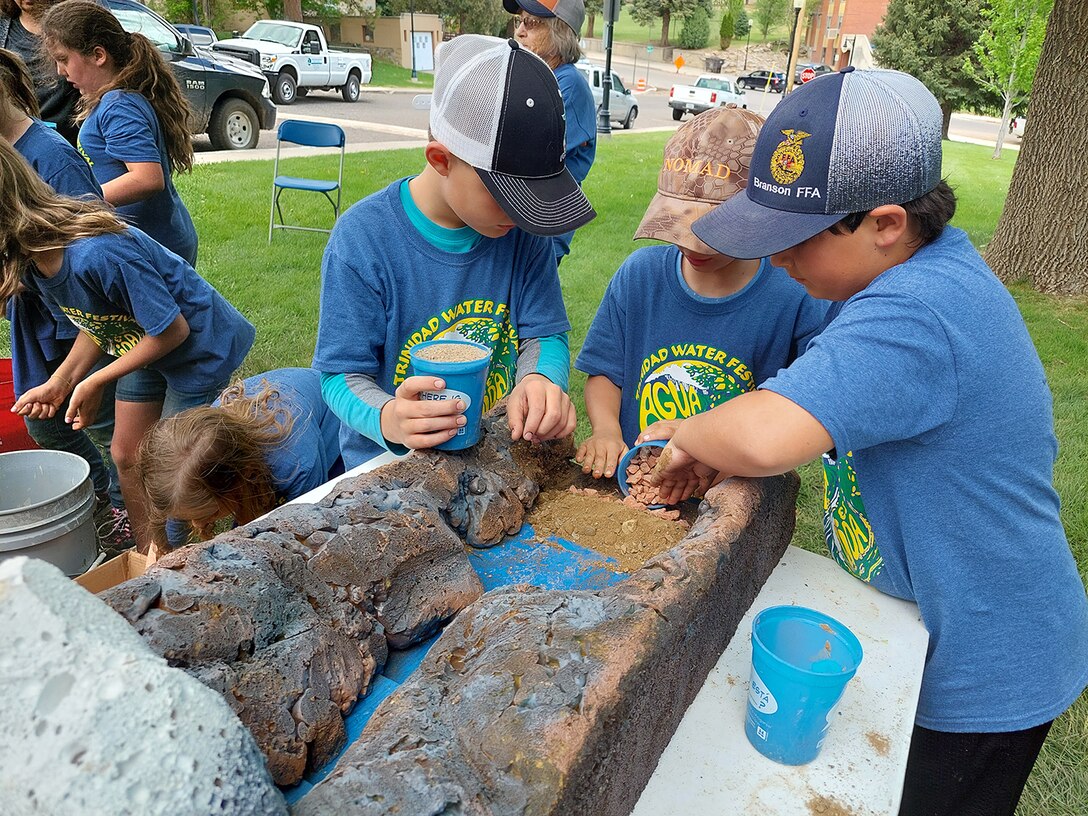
column 289, row 617
column 95, row 723
column 289, row 654
column 537, row 702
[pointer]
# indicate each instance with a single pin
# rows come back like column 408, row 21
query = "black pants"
column 968, row 774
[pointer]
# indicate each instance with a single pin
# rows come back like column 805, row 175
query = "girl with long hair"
column 265, row 441
column 39, row 339
column 171, row 340
column 135, row 119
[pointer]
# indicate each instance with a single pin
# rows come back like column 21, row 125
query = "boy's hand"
column 84, row 404
column 678, row 475
column 416, row 423
column 539, row 410
column 41, row 402
column 663, row 430
column 600, row 454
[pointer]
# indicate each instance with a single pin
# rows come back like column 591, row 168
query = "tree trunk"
column 292, row 10
column 1043, row 231
column 1003, row 128
column 946, row 118
column 591, row 18
column 665, row 28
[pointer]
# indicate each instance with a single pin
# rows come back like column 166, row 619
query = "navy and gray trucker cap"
column 842, row 143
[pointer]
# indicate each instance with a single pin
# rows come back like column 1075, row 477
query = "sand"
column 452, row 353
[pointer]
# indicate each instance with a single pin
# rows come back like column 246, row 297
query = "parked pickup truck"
column 296, row 59
column 230, row 98
column 709, row 91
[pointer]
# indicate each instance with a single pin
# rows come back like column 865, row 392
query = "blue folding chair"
column 307, row 134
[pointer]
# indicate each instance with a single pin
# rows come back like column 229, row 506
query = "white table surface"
column 710, row 768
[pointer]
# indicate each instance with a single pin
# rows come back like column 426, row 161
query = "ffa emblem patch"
column 788, row 160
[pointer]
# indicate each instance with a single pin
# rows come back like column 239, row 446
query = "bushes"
column 696, row 30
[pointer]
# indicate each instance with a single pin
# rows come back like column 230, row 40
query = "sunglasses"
column 529, row 21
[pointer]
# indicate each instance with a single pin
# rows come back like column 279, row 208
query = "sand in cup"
column 801, row 662
column 463, row 365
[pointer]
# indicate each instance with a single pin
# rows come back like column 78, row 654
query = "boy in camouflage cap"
column 682, row 327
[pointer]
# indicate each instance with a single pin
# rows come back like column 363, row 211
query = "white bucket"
column 47, row 508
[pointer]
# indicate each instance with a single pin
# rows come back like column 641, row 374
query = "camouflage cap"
column 705, row 162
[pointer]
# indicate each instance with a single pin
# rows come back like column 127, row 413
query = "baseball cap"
column 497, row 107
column 571, row 12
column 706, row 161
column 842, row 143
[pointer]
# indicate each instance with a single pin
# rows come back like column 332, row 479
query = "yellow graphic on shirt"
column 846, row 527
column 115, row 334
column 480, row 321
column 685, row 379
column 83, row 153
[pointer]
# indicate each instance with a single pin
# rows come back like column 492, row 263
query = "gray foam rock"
column 248, row 619
column 549, row 703
column 92, row 722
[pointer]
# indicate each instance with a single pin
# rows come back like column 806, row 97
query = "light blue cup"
column 625, row 460
column 801, row 662
column 465, row 381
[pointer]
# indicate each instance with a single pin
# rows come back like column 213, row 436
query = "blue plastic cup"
column 625, row 460
column 801, row 662
column 465, row 379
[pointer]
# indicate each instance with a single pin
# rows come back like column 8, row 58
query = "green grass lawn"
column 277, row 287
column 390, row 75
column 628, row 31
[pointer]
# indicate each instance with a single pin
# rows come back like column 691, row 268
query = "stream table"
column 710, row 769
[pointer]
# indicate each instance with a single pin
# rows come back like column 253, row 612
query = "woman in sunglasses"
column 551, row 29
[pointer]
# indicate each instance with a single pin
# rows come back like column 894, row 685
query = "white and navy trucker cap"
column 497, row 107
column 843, row 143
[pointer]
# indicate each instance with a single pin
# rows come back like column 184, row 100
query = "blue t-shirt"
column 123, row 128
column 117, row 288
column 310, row 455
column 674, row 354
column 40, row 338
column 384, row 288
column 580, row 115
column 941, row 487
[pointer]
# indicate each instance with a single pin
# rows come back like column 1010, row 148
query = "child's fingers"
column 420, row 441
column 412, row 387
column 536, row 410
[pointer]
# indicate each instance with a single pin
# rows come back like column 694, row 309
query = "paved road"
column 387, row 119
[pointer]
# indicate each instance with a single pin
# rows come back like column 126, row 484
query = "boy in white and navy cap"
column 929, row 406
column 458, row 252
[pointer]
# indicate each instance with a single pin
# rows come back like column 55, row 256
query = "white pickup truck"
column 296, row 59
column 709, row 91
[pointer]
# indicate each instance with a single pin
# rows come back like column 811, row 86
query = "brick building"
column 839, row 31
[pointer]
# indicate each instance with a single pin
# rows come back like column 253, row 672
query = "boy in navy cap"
column 929, row 406
column 456, row 253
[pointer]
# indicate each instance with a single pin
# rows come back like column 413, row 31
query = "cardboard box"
column 115, row 571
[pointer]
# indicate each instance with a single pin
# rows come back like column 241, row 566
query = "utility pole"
column 794, row 44
column 604, row 120
column 747, row 45
column 412, row 23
